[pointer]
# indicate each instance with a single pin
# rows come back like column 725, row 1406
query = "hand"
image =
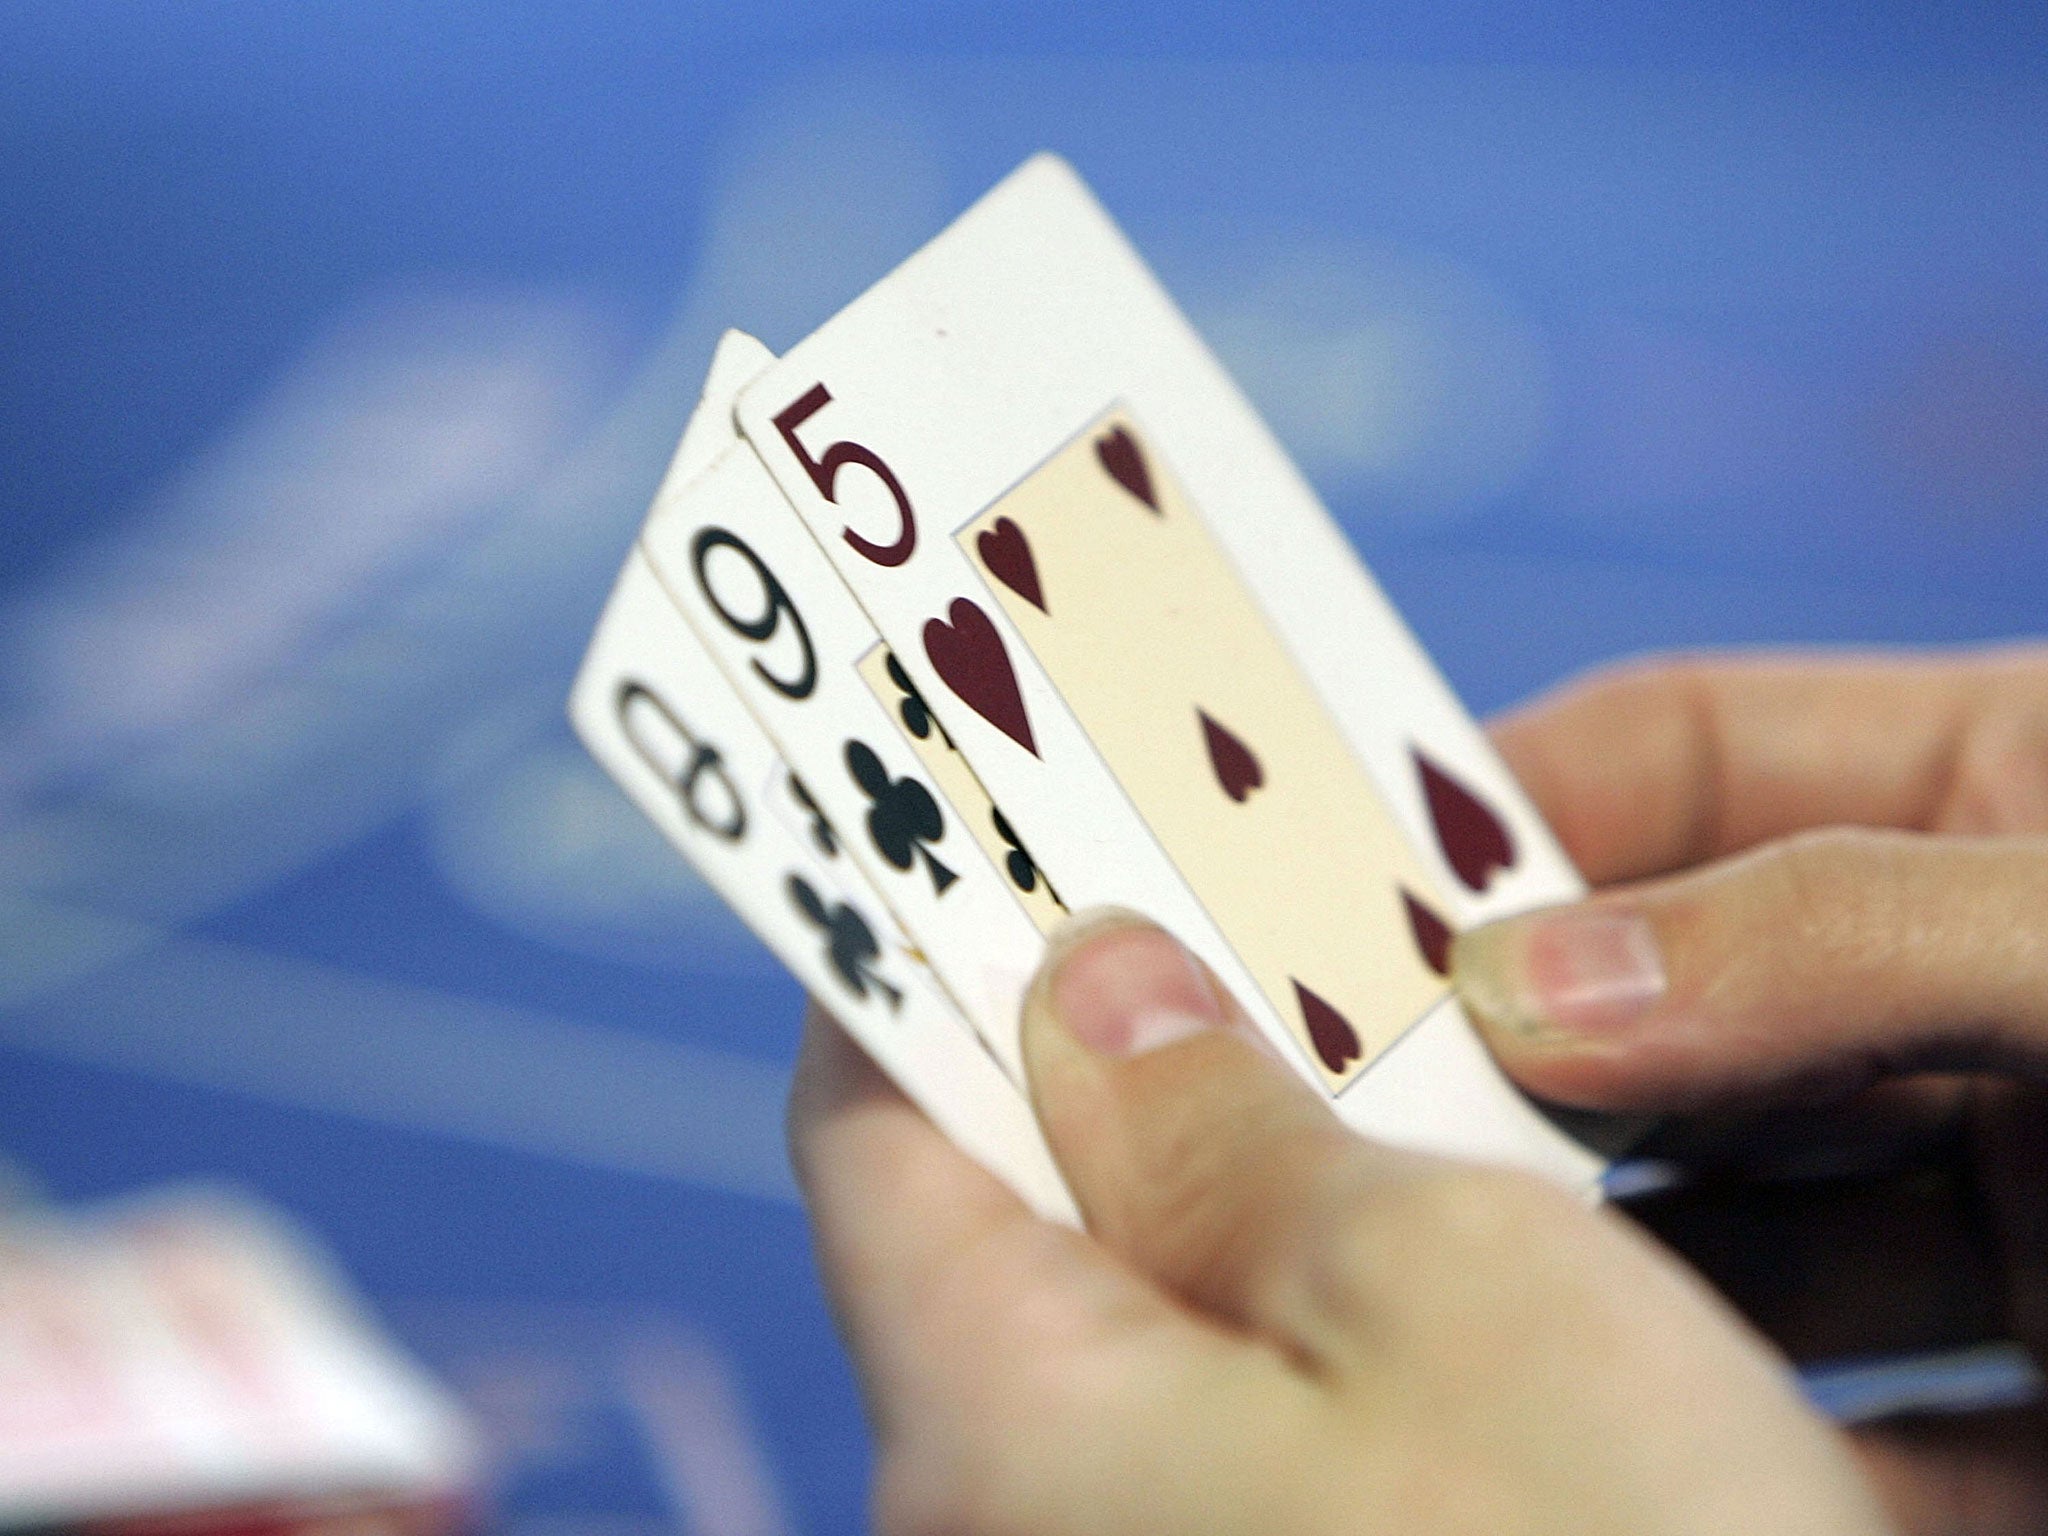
column 1275, row 1325
column 1790, row 1000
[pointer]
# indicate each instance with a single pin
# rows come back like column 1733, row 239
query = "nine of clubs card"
column 789, row 638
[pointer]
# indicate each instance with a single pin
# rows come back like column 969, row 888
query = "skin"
column 1845, row 864
column 1273, row 1325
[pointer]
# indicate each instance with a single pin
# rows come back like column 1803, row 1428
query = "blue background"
column 346, row 342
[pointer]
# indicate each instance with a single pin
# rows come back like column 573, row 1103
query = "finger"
column 1016, row 1374
column 1820, row 963
column 1405, row 1286
column 1651, row 767
column 1202, row 1159
column 932, row 1266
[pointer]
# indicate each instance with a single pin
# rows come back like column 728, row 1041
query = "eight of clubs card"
column 656, row 712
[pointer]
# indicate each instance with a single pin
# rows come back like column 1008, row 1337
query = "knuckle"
column 1188, row 1182
column 1998, row 781
column 1682, row 686
column 1636, row 676
column 2001, row 781
column 1810, row 872
column 1830, row 899
column 1613, row 690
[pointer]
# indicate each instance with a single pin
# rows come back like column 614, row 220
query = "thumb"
column 1192, row 1150
column 1826, row 959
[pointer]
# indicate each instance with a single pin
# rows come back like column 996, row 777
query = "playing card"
column 189, row 1356
column 751, row 581
column 736, row 362
column 654, row 709
column 1158, row 654
column 1137, row 617
column 888, row 682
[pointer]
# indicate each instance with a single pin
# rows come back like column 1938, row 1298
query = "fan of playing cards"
column 993, row 600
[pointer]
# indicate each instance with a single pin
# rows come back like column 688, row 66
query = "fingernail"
column 1122, row 986
column 1584, row 972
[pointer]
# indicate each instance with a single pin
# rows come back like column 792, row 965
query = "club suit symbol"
column 851, row 948
column 903, row 816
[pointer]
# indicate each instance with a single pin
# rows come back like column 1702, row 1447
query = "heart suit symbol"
column 1336, row 1042
column 968, row 654
column 1125, row 461
column 1007, row 554
column 1431, row 933
column 1474, row 841
column 1237, row 768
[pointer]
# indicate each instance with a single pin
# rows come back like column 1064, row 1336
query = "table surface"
column 347, row 342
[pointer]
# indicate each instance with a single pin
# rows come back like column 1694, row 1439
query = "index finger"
column 1655, row 766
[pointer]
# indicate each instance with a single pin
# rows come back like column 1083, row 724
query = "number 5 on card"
column 1156, row 651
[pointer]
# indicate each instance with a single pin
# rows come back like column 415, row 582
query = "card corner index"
column 602, row 642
